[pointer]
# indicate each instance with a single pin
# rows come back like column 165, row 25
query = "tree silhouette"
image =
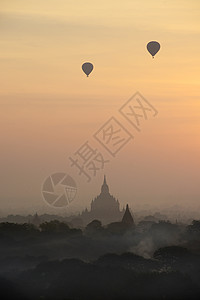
column 54, row 226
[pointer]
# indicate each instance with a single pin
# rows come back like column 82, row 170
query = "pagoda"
column 104, row 207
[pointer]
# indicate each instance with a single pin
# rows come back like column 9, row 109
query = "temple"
column 104, row 207
column 36, row 220
column 127, row 217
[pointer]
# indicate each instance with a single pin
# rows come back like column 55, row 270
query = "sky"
column 49, row 108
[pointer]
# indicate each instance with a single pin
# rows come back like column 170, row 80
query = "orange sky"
column 48, row 108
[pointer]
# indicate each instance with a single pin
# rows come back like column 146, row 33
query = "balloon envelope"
column 153, row 47
column 87, row 68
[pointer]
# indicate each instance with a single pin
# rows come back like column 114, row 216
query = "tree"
column 171, row 254
column 54, row 226
column 94, row 227
column 194, row 228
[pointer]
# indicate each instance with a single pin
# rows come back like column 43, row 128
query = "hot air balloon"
column 87, row 68
column 153, row 48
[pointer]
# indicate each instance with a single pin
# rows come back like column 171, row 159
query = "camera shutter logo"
column 59, row 189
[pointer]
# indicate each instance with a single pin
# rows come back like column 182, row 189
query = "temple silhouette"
column 127, row 217
column 106, row 208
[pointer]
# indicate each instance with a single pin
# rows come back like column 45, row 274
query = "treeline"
column 127, row 276
column 53, row 261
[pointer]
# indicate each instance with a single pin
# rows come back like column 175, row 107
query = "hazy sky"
column 49, row 108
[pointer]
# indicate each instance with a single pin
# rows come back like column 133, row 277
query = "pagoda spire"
column 104, row 187
column 127, row 217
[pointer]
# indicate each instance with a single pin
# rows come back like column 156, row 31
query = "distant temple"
column 104, row 207
column 126, row 223
column 36, row 220
column 127, row 217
